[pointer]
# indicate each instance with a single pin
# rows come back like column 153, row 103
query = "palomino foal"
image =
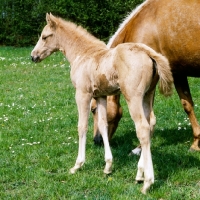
column 97, row 71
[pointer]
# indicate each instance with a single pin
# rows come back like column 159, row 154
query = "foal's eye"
column 44, row 37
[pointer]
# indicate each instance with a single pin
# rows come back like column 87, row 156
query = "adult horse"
column 173, row 29
column 98, row 71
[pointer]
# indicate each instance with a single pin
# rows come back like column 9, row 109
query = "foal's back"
column 134, row 67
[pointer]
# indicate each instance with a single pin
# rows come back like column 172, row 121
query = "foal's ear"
column 51, row 20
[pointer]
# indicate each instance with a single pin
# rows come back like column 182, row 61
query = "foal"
column 97, row 71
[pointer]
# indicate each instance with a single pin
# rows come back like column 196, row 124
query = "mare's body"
column 172, row 28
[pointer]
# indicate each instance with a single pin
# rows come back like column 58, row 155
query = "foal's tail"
column 164, row 71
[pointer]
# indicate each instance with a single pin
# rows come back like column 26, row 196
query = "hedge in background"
column 22, row 20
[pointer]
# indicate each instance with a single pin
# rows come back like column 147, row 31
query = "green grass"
column 38, row 140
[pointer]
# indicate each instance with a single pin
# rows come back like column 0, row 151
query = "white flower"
column 34, row 106
column 2, row 58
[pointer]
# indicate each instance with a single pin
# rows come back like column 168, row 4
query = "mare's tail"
column 163, row 68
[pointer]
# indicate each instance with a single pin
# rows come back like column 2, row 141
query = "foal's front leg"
column 83, row 103
column 103, row 129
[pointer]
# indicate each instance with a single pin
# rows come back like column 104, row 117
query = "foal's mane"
column 78, row 31
column 126, row 21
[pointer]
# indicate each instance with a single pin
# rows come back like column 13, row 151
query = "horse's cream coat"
column 97, row 71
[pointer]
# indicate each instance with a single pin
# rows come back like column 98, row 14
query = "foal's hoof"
column 107, row 171
column 108, row 167
column 74, row 169
column 143, row 191
column 146, row 186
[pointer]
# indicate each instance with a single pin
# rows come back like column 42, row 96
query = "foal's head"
column 47, row 43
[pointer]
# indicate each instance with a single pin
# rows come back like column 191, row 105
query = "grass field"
column 38, row 140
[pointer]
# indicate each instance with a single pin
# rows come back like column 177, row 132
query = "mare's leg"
column 83, row 104
column 152, row 121
column 182, row 87
column 103, row 128
column 140, row 114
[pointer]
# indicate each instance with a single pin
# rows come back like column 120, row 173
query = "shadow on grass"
column 170, row 153
column 174, row 136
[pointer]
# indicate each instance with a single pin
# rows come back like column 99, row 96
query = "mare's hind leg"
column 103, row 129
column 140, row 114
column 182, row 87
column 83, row 103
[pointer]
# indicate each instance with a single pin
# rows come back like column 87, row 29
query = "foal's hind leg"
column 103, row 129
column 83, row 103
column 150, row 116
column 139, row 114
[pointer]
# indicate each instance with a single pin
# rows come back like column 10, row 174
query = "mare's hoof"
column 136, row 151
column 194, row 148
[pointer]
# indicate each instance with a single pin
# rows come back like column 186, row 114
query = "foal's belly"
column 105, row 92
column 105, row 85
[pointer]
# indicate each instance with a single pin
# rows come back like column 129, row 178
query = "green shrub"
column 22, row 21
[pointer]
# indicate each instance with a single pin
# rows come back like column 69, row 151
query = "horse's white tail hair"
column 163, row 68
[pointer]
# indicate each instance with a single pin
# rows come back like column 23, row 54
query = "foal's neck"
column 75, row 41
